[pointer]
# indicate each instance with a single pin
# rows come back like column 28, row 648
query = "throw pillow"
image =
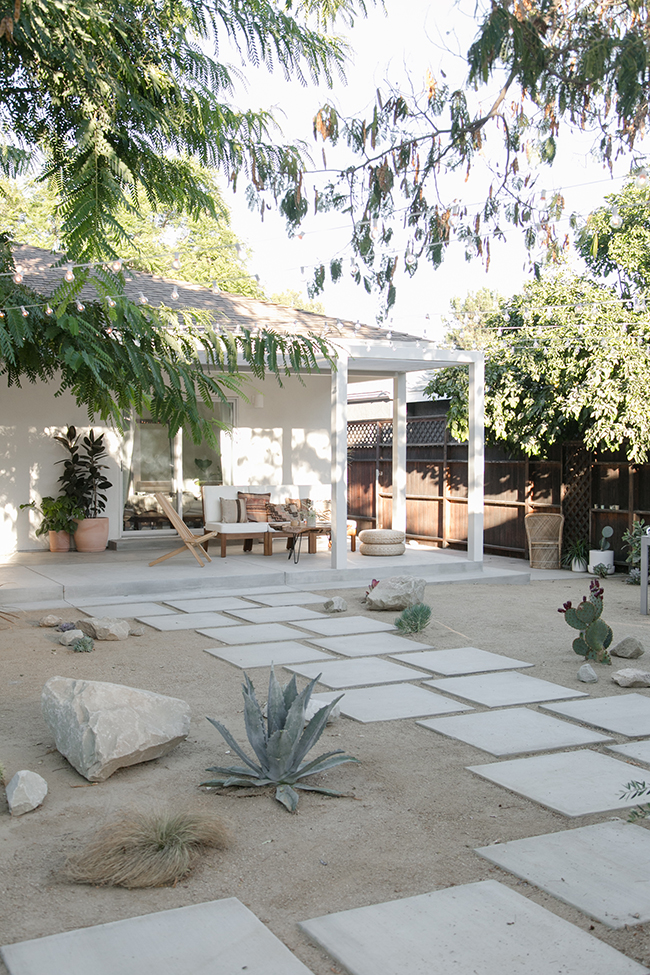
column 255, row 505
column 298, row 507
column 233, row 511
column 277, row 512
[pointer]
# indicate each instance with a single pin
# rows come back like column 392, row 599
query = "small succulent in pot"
column 279, row 743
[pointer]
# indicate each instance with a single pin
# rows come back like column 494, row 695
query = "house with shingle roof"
column 291, row 434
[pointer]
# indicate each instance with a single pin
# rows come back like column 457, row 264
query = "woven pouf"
column 381, row 542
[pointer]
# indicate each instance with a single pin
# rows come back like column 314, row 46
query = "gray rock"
column 50, row 620
column 104, row 628
column 398, row 592
column 135, row 629
column 587, row 674
column 630, row 677
column 69, row 637
column 335, row 605
column 315, row 706
column 101, row 727
column 25, row 792
column 630, row 647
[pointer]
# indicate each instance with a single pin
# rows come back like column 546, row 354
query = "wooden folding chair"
column 190, row 540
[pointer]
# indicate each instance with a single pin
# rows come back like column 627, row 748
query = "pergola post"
column 399, row 452
column 476, row 460
column 339, row 448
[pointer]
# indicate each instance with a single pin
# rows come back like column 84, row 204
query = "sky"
column 400, row 46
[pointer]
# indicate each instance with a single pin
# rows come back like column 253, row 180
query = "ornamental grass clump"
column 155, row 849
column 414, row 619
column 595, row 634
column 280, row 743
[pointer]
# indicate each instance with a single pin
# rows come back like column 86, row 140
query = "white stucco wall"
column 286, row 441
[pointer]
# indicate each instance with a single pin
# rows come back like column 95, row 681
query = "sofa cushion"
column 246, row 530
column 233, row 510
column 255, row 505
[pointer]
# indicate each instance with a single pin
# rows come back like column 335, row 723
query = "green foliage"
column 82, row 479
column 595, row 635
column 414, row 619
column 601, row 570
column 293, row 299
column 621, row 252
column 576, row 550
column 280, row 744
column 632, row 541
column 606, row 534
column 83, row 645
column 634, row 790
column 59, row 514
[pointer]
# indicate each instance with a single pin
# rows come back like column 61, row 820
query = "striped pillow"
column 233, row 511
column 256, row 505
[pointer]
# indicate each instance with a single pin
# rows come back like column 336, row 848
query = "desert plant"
column 59, row 514
column 375, row 582
column 606, row 534
column 280, row 743
column 634, row 790
column 595, row 634
column 83, row 645
column 601, row 570
column 575, row 551
column 82, row 477
column 153, row 849
column 632, row 541
column 414, row 619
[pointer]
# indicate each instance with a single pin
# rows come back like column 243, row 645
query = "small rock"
column 398, row 592
column 314, row 706
column 335, row 605
column 25, row 792
column 69, row 637
column 630, row 647
column 64, row 627
column 630, row 677
column 587, row 674
column 50, row 620
column 135, row 629
column 104, row 628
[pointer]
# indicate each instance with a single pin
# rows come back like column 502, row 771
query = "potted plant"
column 84, row 481
column 603, row 555
column 59, row 518
column 576, row 555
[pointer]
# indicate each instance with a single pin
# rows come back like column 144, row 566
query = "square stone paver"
column 345, row 625
column 366, row 644
column 391, row 702
column 638, row 750
column 215, row 937
column 186, row 621
column 463, row 660
column 208, row 604
column 513, row 731
column 571, row 783
column 625, row 714
column 264, row 654
column 603, row 870
column 290, row 599
column 352, row 673
column 474, row 929
column 276, row 614
column 271, row 633
column 128, row 611
column 499, row 690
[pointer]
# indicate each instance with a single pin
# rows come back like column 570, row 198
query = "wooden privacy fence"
column 590, row 490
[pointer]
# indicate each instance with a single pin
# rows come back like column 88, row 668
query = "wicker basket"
column 544, row 534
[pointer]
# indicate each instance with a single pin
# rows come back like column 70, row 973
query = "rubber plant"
column 281, row 743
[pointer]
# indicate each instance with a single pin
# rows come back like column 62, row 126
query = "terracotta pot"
column 91, row 535
column 59, row 541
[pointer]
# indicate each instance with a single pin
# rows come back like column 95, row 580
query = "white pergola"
column 362, row 360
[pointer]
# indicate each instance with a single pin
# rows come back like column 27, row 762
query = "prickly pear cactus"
column 595, row 634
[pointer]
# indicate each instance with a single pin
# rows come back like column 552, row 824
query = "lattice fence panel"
column 577, row 461
column 362, row 434
column 421, row 432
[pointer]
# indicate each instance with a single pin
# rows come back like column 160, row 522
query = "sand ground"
column 412, row 819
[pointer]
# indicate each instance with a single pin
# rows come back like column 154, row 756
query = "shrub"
column 414, row 619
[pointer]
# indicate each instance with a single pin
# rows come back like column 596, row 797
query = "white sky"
column 414, row 36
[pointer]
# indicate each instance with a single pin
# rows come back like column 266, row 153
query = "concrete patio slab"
column 499, row 690
column 625, row 714
column 264, row 654
column 366, row 644
column 186, row 621
column 276, row 614
column 127, row 610
column 208, row 604
column 603, row 870
column 216, row 937
column 241, row 633
column 483, row 929
column 391, row 702
column 290, row 599
column 571, row 783
column 638, row 750
column 347, row 625
column 513, row 731
column 463, row 660
column 354, row 673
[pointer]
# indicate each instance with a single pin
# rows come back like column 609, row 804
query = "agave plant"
column 280, row 743
column 414, row 619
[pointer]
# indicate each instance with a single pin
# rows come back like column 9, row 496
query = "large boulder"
column 630, row 677
column 398, row 592
column 630, row 647
column 104, row 628
column 100, row 727
column 25, row 791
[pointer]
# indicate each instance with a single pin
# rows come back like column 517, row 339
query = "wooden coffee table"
column 295, row 535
